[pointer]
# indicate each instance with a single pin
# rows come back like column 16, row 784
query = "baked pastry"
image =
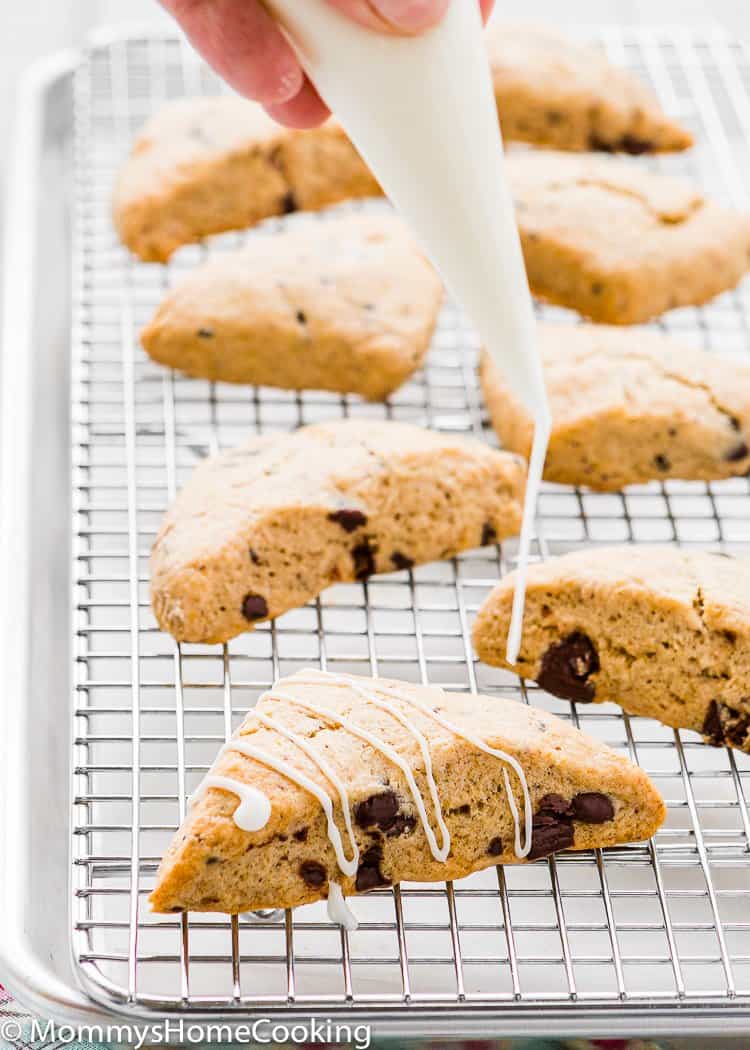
column 620, row 244
column 349, row 304
column 553, row 91
column 661, row 631
column 204, row 165
column 336, row 783
column 629, row 406
column 267, row 526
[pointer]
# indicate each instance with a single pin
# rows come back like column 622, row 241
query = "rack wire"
column 663, row 922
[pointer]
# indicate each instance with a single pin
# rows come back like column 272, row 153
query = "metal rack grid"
column 659, row 923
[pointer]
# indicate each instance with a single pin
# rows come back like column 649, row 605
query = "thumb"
column 411, row 16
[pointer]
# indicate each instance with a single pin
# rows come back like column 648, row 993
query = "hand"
column 241, row 41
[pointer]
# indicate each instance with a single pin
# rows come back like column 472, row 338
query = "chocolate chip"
column 313, row 873
column 379, row 810
column 205, row 333
column 402, row 825
column 597, row 288
column 253, row 556
column 461, row 810
column 740, row 451
column 592, row 807
column 301, row 317
column 369, row 874
column 597, row 143
column 495, row 846
column 254, row 607
column 726, row 725
column 400, row 561
column 212, row 860
column 489, row 534
column 363, row 556
column 567, row 666
column 549, row 836
column 555, row 806
column 635, row 146
column 300, row 835
column 349, row 520
column 289, row 203
column 662, row 462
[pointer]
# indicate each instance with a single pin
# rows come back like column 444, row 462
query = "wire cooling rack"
column 663, row 924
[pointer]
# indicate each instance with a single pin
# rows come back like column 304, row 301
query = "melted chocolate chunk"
column 313, row 873
column 740, row 451
column 205, row 333
column 489, row 534
column 662, row 462
column 301, row 317
column 300, row 835
column 349, row 520
column 212, row 860
column 369, row 875
column 726, row 725
column 402, row 825
column 567, row 666
column 400, row 561
column 549, row 836
column 289, row 203
column 254, row 607
column 555, row 806
column 495, row 846
column 635, row 146
column 363, row 556
column 379, row 810
column 592, row 807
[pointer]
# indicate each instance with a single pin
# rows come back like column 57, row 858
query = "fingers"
column 486, row 6
column 240, row 40
column 402, row 16
column 305, row 110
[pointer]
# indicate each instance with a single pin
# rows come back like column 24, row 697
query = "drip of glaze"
column 367, row 691
column 339, row 911
column 254, row 810
column 280, row 765
column 440, row 853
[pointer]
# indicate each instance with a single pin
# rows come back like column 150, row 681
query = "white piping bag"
column 422, row 113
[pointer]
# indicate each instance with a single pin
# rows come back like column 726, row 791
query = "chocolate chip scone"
column 552, row 91
column 204, row 165
column 336, row 783
column 661, row 631
column 348, row 305
column 266, row 527
column 629, row 406
column 620, row 244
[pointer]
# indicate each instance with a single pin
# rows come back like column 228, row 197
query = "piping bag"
column 422, row 113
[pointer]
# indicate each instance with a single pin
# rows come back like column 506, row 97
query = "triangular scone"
column 580, row 794
column 661, row 631
column 618, row 243
column 553, row 91
column 629, row 406
column 204, row 165
column 348, row 305
column 267, row 526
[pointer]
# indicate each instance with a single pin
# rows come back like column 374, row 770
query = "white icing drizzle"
column 440, row 853
column 503, row 756
column 254, row 810
column 280, row 765
column 339, row 911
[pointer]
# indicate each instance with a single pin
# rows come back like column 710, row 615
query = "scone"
column 620, row 244
column 205, row 165
column 661, row 631
column 629, row 406
column 349, row 304
column 336, row 783
column 266, row 527
column 552, row 91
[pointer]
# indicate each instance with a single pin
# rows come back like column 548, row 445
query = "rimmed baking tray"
column 107, row 725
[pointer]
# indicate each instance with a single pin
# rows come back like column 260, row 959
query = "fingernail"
column 411, row 16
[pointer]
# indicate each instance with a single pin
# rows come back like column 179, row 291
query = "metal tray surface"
column 647, row 937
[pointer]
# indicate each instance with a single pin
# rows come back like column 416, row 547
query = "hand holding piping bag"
column 242, row 42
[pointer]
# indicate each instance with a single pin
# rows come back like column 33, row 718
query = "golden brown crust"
column 629, row 406
column 214, row 866
column 266, row 527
